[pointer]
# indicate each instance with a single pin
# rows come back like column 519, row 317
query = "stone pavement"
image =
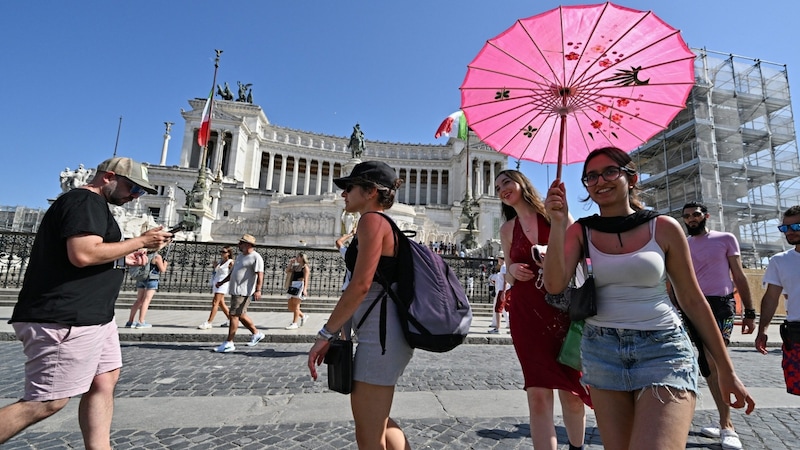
column 175, row 392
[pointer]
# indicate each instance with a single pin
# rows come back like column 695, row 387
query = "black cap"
column 376, row 172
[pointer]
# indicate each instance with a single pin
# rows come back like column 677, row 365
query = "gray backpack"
column 434, row 310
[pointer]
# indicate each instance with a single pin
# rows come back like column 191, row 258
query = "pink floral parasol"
column 560, row 84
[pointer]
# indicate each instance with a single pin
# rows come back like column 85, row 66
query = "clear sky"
column 71, row 69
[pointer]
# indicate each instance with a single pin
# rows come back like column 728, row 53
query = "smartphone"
column 178, row 228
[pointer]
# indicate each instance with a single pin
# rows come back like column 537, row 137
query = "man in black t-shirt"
column 65, row 312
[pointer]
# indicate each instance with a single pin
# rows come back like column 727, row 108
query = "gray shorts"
column 369, row 365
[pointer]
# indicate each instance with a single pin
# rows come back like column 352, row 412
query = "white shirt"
column 783, row 271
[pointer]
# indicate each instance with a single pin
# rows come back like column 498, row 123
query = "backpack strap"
column 386, row 289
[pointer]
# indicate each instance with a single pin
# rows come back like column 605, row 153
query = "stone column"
column 331, row 176
column 295, row 175
column 418, row 187
column 320, row 168
column 282, row 179
column 165, row 145
column 307, row 183
column 408, row 186
column 270, row 170
column 492, row 176
column 428, row 187
column 439, row 187
column 479, row 178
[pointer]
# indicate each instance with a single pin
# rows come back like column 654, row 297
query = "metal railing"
column 191, row 265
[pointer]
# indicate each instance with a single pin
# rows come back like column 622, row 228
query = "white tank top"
column 631, row 288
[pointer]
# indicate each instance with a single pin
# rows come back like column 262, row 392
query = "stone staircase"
column 202, row 302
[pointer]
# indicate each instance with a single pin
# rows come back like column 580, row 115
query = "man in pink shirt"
column 718, row 267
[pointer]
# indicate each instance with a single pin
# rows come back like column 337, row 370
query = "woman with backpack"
column 146, row 278
column 537, row 329
column 370, row 188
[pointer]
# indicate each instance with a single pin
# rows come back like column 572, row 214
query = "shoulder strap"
column 386, row 290
column 587, row 260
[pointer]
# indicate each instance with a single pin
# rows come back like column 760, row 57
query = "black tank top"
column 387, row 265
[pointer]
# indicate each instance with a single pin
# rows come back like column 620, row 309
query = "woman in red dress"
column 537, row 329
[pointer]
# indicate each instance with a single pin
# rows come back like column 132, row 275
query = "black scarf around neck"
column 619, row 224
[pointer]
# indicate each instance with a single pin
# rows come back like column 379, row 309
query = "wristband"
column 325, row 335
column 749, row 313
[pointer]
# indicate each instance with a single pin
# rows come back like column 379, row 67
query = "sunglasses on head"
column 694, row 214
column 785, row 228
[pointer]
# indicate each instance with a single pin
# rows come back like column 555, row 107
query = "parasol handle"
column 562, row 135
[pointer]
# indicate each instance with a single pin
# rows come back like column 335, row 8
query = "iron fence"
column 190, row 266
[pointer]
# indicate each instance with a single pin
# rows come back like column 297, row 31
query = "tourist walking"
column 298, row 272
column 500, row 285
column 781, row 278
column 246, row 279
column 222, row 267
column 636, row 356
column 370, row 188
column 537, row 329
column 146, row 287
column 65, row 312
column 718, row 267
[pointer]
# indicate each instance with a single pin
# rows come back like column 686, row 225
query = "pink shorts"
column 63, row 360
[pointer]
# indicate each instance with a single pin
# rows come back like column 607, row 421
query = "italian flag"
column 447, row 126
column 205, row 126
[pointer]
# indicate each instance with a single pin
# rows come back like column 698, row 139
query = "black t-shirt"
column 54, row 290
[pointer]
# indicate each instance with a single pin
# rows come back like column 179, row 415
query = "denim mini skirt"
column 617, row 359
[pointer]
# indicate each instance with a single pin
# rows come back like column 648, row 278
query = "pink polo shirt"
column 710, row 254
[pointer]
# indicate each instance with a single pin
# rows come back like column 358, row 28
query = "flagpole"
column 119, row 127
column 201, row 178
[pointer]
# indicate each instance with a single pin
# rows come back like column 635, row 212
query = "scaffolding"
column 733, row 149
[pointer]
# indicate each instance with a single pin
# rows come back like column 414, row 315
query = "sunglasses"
column 694, row 214
column 786, row 228
column 134, row 189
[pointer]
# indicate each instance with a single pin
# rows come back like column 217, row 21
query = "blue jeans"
column 629, row 360
column 151, row 285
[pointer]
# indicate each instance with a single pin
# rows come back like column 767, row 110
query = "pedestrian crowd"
column 658, row 295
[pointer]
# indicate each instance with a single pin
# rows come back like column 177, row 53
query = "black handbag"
column 582, row 300
column 293, row 290
column 340, row 366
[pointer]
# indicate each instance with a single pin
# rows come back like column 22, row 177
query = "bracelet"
column 324, row 335
column 749, row 313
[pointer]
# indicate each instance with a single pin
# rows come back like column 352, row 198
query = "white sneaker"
column 255, row 339
column 710, row 432
column 226, row 325
column 204, row 326
column 730, row 440
column 303, row 319
column 226, row 347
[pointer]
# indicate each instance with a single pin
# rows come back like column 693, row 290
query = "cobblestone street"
column 177, row 376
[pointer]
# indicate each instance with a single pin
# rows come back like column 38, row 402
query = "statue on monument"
column 81, row 176
column 71, row 179
column 356, row 144
column 226, row 93
column 243, row 91
column 66, row 179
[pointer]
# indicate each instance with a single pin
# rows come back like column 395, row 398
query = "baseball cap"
column 130, row 169
column 376, row 172
column 248, row 238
